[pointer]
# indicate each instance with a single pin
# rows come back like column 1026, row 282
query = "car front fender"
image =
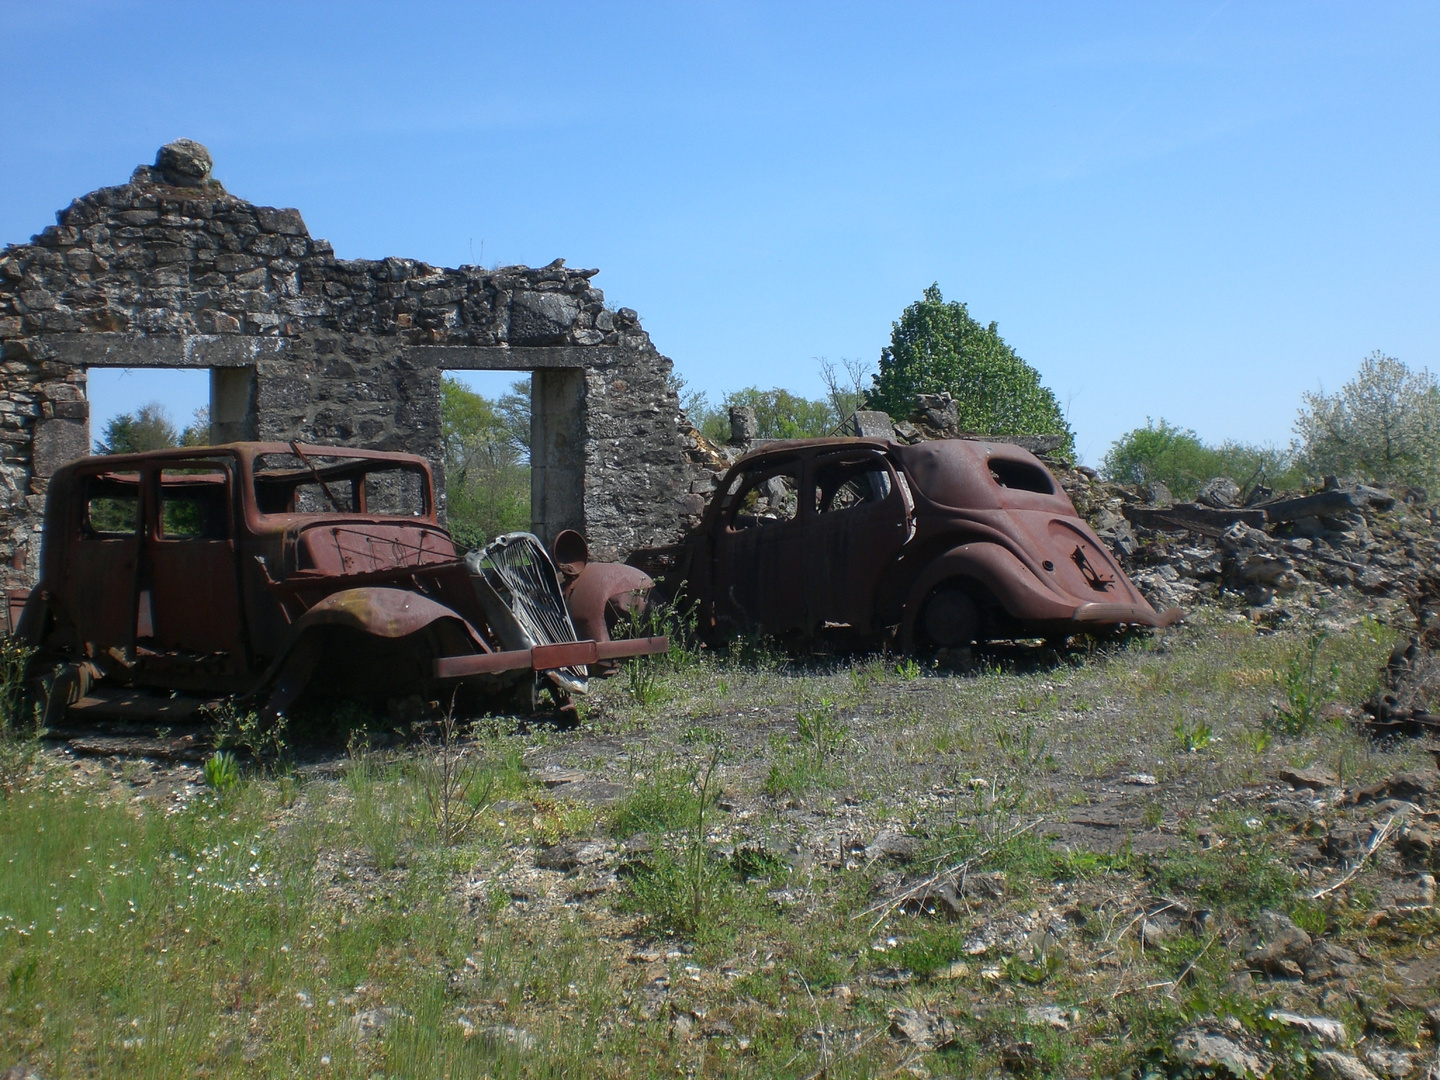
column 378, row 611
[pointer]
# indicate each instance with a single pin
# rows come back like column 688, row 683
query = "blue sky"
column 1195, row 211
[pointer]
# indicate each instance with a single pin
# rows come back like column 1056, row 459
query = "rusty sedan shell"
column 941, row 543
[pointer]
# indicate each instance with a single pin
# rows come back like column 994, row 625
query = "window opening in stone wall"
column 134, row 409
column 485, row 422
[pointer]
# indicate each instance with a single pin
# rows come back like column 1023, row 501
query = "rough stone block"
column 286, row 221
column 59, row 441
column 541, row 318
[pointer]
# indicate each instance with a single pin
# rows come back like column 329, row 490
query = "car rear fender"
column 999, row 572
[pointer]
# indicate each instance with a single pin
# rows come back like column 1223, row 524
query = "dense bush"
column 779, row 414
column 1383, row 425
column 936, row 346
column 1177, row 458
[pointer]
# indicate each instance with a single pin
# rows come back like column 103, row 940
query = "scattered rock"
column 1211, row 1047
column 1156, row 494
column 1321, row 1028
column 1220, row 493
column 1395, row 1064
column 554, row 775
column 889, row 844
column 1314, row 777
column 20, row 1072
column 923, row 1029
column 1414, row 787
column 372, row 1023
column 503, row 1035
column 570, row 855
column 1333, row 1065
column 1283, row 945
column 1050, row 1016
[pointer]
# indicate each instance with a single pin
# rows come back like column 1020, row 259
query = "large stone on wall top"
column 184, row 163
column 541, row 318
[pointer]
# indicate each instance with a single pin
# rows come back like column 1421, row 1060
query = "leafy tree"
column 131, row 433
column 487, row 470
column 1383, row 425
column 1178, row 458
column 937, row 347
column 198, row 431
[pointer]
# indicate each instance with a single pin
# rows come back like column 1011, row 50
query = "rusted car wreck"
column 937, row 544
column 268, row 570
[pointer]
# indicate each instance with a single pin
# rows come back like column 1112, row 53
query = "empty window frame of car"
column 109, row 506
column 842, row 484
column 195, row 501
column 762, row 496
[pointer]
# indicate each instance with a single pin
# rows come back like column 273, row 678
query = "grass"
column 345, row 922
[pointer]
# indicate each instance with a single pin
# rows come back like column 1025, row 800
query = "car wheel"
column 951, row 618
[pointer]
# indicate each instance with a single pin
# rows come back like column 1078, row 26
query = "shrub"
column 1383, row 425
column 1177, row 458
column 937, row 347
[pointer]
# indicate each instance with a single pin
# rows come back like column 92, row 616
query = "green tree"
column 1383, row 425
column 487, row 470
column 150, row 428
column 937, row 347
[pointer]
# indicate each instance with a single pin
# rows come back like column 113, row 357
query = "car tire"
column 951, row 618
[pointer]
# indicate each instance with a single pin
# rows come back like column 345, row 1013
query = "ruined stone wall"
column 169, row 270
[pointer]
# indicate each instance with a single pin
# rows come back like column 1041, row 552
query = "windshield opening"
column 322, row 484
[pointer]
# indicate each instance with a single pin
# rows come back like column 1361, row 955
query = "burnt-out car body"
column 264, row 570
column 940, row 543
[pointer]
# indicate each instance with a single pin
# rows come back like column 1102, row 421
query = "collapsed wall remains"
column 169, row 270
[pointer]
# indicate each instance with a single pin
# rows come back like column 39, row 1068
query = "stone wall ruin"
column 170, row 270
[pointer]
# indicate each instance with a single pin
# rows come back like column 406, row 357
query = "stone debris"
column 1342, row 550
column 923, row 1029
column 571, row 855
column 1315, row 777
column 1334, row 1065
column 1212, row 1046
column 1050, row 1016
column 1322, row 1028
column 502, row 1036
column 369, row 1024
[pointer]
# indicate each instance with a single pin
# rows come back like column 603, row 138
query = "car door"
column 189, row 598
column 759, row 550
column 103, row 561
column 861, row 518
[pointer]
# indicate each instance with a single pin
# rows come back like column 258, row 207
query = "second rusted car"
column 937, row 544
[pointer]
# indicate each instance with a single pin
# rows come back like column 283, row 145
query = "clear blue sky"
column 1195, row 211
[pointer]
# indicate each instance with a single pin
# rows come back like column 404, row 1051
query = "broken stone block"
column 1221, row 493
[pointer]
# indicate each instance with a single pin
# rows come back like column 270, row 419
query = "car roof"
column 249, row 450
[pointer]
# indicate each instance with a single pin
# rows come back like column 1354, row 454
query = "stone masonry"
column 169, row 270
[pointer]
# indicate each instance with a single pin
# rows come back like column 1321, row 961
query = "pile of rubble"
column 1343, row 551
